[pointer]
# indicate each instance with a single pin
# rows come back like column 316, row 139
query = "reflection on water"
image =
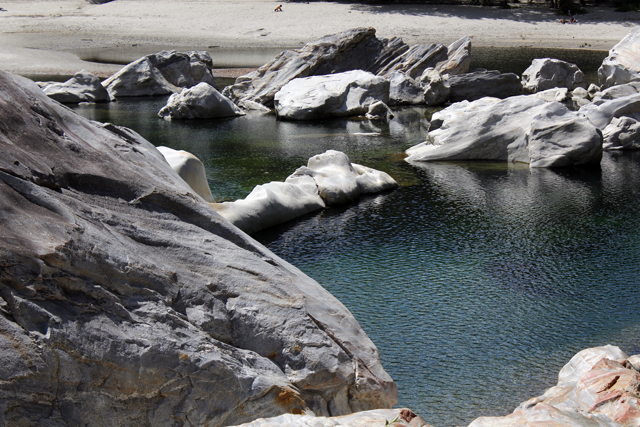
column 477, row 281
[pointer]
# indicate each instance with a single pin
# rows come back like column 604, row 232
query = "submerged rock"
column 597, row 388
column 480, row 84
column 328, row 179
column 125, row 297
column 343, row 94
column 518, row 129
column 201, row 101
column 82, row 87
column 161, row 73
column 548, row 73
column 623, row 63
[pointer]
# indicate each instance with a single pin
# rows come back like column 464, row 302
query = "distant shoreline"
column 52, row 37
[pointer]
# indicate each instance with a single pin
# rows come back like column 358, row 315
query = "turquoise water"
column 477, row 281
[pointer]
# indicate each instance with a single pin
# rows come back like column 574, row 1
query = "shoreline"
column 60, row 37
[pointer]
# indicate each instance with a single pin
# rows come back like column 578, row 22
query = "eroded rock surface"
column 125, row 297
column 623, row 63
column 161, row 73
column 82, row 87
column 518, row 129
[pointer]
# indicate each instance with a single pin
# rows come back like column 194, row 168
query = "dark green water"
column 477, row 281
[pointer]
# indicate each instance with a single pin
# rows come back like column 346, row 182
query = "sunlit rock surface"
column 548, row 73
column 334, row 95
column 328, row 179
column 601, row 113
column 82, row 87
column 161, row 73
column 623, row 63
column 201, row 101
column 458, row 58
column 599, row 387
column 125, row 298
column 190, row 169
column 622, row 134
column 518, row 129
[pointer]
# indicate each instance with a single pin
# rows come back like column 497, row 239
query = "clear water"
column 477, row 281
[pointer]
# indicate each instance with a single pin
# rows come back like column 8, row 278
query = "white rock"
column 190, row 169
column 202, row 101
column 376, row 417
column 548, row 73
column 601, row 114
column 343, row 94
column 458, row 58
column 379, row 111
column 622, row 134
column 556, row 94
column 623, row 63
column 82, row 87
column 618, row 91
column 518, row 129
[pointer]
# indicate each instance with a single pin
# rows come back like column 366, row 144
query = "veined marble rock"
column 125, row 298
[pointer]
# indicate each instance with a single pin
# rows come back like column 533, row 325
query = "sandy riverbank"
column 54, row 36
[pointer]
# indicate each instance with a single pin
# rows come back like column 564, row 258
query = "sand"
column 63, row 36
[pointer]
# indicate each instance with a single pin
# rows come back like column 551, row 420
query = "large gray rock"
column 161, row 73
column 622, row 134
column 458, row 58
column 597, row 388
column 126, row 300
column 518, row 129
column 334, row 95
column 404, row 90
column 201, row 101
column 548, row 73
column 415, row 60
column 328, row 179
column 479, row 84
column 82, row 87
column 623, row 63
column 355, row 49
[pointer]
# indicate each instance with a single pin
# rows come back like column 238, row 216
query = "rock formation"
column 601, row 113
column 479, row 84
column 548, row 73
column 597, row 388
column 334, row 95
column 622, row 134
column 328, row 179
column 518, row 129
column 190, row 169
column 201, row 101
column 125, row 297
column 161, row 73
column 82, row 87
column 623, row 63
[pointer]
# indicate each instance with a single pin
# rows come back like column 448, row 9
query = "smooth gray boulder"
column 404, row 90
column 479, row 84
column 82, row 87
column 622, row 134
column 518, row 129
column 334, row 95
column 355, row 49
column 328, row 179
column 201, row 101
column 601, row 113
column 126, row 300
column 190, row 169
column 623, row 63
column 458, row 58
column 161, row 73
column 597, row 388
column 549, row 73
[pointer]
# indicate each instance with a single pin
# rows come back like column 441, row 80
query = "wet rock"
column 622, row 134
column 161, row 73
column 190, row 169
column 548, row 73
column 518, row 129
column 125, row 297
column 335, row 95
column 623, row 63
column 82, row 87
column 597, row 388
column 201, row 101
column 480, row 84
